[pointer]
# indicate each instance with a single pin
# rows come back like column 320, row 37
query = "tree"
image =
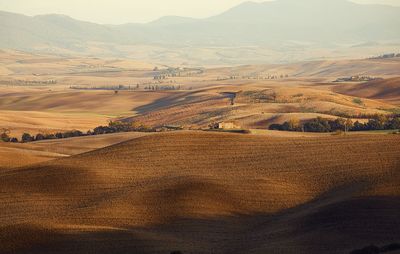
column 357, row 126
column 338, row 124
column 274, row 96
column 26, row 137
column 39, row 137
column 348, row 125
column 393, row 124
column 59, row 135
column 317, row 125
column 294, row 124
column 4, row 135
column 50, row 136
column 275, row 126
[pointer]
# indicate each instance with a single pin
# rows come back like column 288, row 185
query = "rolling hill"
column 387, row 90
column 207, row 193
column 18, row 155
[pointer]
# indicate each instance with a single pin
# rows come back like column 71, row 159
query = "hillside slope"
column 388, row 90
column 14, row 155
column 207, row 193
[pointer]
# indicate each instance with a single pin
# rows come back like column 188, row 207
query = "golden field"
column 298, row 91
column 207, row 192
column 192, row 190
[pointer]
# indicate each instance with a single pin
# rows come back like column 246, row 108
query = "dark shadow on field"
column 175, row 99
column 324, row 225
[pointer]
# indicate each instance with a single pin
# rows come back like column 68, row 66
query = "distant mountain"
column 276, row 24
column 171, row 20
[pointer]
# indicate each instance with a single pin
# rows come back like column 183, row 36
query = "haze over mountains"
column 282, row 30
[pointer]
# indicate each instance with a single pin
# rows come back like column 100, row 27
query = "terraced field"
column 202, row 192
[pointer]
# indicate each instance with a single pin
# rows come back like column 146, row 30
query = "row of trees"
column 107, row 87
column 117, row 126
column 162, row 87
column 112, row 127
column 380, row 122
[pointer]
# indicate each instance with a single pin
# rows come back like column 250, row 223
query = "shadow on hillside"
column 176, row 99
column 320, row 226
column 164, row 102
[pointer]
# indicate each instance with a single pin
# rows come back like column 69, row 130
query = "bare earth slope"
column 16, row 155
column 207, row 193
column 388, row 90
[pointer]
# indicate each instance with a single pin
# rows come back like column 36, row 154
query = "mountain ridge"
column 271, row 25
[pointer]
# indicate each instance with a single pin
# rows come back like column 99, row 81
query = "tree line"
column 319, row 124
column 112, row 127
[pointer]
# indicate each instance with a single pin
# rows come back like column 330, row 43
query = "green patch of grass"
column 358, row 101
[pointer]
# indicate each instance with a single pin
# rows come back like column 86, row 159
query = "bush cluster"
column 117, row 126
column 112, row 127
column 379, row 122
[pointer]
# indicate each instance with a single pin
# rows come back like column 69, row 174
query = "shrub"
column 275, row 126
column 378, row 122
column 50, row 136
column 393, row 124
column 39, row 137
column 317, row 125
column 26, row 137
column 358, row 101
column 4, row 137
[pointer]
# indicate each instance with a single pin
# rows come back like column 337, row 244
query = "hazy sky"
column 126, row 11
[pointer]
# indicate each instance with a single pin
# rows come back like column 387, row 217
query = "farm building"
column 231, row 125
